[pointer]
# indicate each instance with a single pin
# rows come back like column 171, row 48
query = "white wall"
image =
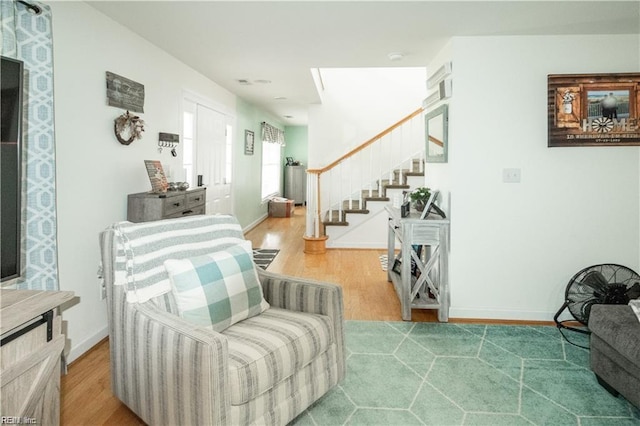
column 357, row 104
column 437, row 175
column 94, row 171
column 514, row 247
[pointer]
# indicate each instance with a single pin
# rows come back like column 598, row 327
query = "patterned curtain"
column 26, row 36
column 272, row 134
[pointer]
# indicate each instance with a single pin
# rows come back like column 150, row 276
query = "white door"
column 212, row 156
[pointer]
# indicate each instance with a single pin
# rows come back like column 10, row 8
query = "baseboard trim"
column 500, row 315
column 351, row 245
column 255, row 223
column 80, row 349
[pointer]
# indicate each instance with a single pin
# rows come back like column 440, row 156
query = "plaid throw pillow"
column 218, row 289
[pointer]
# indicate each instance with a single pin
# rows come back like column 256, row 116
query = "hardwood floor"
column 367, row 294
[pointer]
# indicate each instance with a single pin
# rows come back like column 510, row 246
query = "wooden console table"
column 30, row 349
column 148, row 206
column 430, row 289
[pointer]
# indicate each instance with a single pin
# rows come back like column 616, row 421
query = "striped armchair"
column 266, row 369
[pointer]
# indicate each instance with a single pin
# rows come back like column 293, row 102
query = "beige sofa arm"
column 301, row 294
column 305, row 295
column 177, row 372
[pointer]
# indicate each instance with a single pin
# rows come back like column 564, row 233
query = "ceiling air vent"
column 244, row 81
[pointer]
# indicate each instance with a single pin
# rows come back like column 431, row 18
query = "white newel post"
column 312, row 199
column 314, row 242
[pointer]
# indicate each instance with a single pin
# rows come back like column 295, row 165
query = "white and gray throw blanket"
column 143, row 247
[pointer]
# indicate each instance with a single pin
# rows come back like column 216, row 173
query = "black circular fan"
column 598, row 284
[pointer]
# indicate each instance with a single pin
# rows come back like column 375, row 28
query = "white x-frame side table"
column 430, row 289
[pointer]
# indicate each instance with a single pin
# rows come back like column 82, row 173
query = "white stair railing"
column 363, row 168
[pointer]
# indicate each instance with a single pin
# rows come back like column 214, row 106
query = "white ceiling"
column 281, row 41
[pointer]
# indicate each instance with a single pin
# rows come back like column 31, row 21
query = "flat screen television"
column 11, row 76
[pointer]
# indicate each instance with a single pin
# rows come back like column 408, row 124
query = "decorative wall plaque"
column 593, row 109
column 124, row 93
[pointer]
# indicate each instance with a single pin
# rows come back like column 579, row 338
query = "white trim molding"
column 439, row 75
column 432, row 99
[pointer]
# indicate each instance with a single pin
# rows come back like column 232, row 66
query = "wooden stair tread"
column 339, row 216
column 355, row 207
column 396, row 183
column 337, row 220
column 336, row 223
column 375, row 196
column 406, row 171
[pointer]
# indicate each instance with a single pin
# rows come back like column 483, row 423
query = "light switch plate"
column 511, row 175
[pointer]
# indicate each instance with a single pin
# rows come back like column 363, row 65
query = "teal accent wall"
column 247, row 185
column 297, row 139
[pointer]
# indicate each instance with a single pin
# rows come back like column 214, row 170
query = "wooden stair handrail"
column 367, row 143
column 436, row 141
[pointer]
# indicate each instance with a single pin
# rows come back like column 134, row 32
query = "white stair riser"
column 368, row 230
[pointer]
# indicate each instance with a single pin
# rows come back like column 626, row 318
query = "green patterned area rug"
column 403, row 373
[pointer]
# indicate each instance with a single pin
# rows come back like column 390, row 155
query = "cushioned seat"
column 201, row 336
column 615, row 349
column 268, row 348
column 618, row 326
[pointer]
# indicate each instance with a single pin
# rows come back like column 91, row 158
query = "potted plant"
column 419, row 197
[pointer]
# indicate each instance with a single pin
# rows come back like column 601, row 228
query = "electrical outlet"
column 102, row 289
column 511, row 175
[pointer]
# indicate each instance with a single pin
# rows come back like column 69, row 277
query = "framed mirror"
column 436, row 125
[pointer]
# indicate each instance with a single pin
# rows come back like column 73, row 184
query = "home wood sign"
column 124, row 93
column 593, row 109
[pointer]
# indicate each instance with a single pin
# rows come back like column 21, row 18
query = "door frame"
column 231, row 120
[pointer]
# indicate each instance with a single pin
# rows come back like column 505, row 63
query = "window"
column 272, row 142
column 270, row 169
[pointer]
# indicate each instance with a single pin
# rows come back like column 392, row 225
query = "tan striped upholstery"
column 270, row 347
column 264, row 370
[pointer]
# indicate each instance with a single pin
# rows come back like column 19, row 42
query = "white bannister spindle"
column 412, row 144
column 380, row 157
column 340, row 192
column 350, row 177
column 401, row 150
column 371, row 173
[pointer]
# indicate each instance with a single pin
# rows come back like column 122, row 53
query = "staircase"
column 400, row 182
column 346, row 199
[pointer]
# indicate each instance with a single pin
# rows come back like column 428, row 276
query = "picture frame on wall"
column 593, row 109
column 249, row 142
